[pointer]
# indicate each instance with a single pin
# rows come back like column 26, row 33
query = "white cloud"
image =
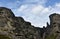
column 37, row 9
column 56, row 8
column 37, row 14
column 31, row 10
column 34, row 14
column 57, row 4
column 34, row 1
column 22, row 8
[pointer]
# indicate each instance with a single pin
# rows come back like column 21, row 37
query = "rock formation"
column 12, row 27
column 54, row 29
column 16, row 27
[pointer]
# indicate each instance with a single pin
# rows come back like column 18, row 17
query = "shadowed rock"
column 17, row 28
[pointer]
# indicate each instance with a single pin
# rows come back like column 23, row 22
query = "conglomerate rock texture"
column 12, row 27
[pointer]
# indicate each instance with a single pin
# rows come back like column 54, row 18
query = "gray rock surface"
column 17, row 28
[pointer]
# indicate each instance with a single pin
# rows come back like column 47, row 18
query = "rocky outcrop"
column 12, row 27
column 16, row 27
column 53, row 31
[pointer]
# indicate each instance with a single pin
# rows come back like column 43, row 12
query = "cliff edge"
column 12, row 27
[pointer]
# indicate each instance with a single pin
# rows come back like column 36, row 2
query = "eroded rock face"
column 6, row 16
column 24, row 30
column 16, row 27
column 53, row 30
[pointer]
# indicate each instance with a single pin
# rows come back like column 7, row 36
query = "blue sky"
column 35, row 11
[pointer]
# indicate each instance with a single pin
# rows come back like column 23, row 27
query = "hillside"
column 12, row 27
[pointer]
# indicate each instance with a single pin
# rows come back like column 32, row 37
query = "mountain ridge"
column 17, row 28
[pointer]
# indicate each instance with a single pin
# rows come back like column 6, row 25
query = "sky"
column 35, row 11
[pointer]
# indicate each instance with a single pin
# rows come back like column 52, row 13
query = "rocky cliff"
column 16, row 27
column 53, row 31
column 12, row 27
